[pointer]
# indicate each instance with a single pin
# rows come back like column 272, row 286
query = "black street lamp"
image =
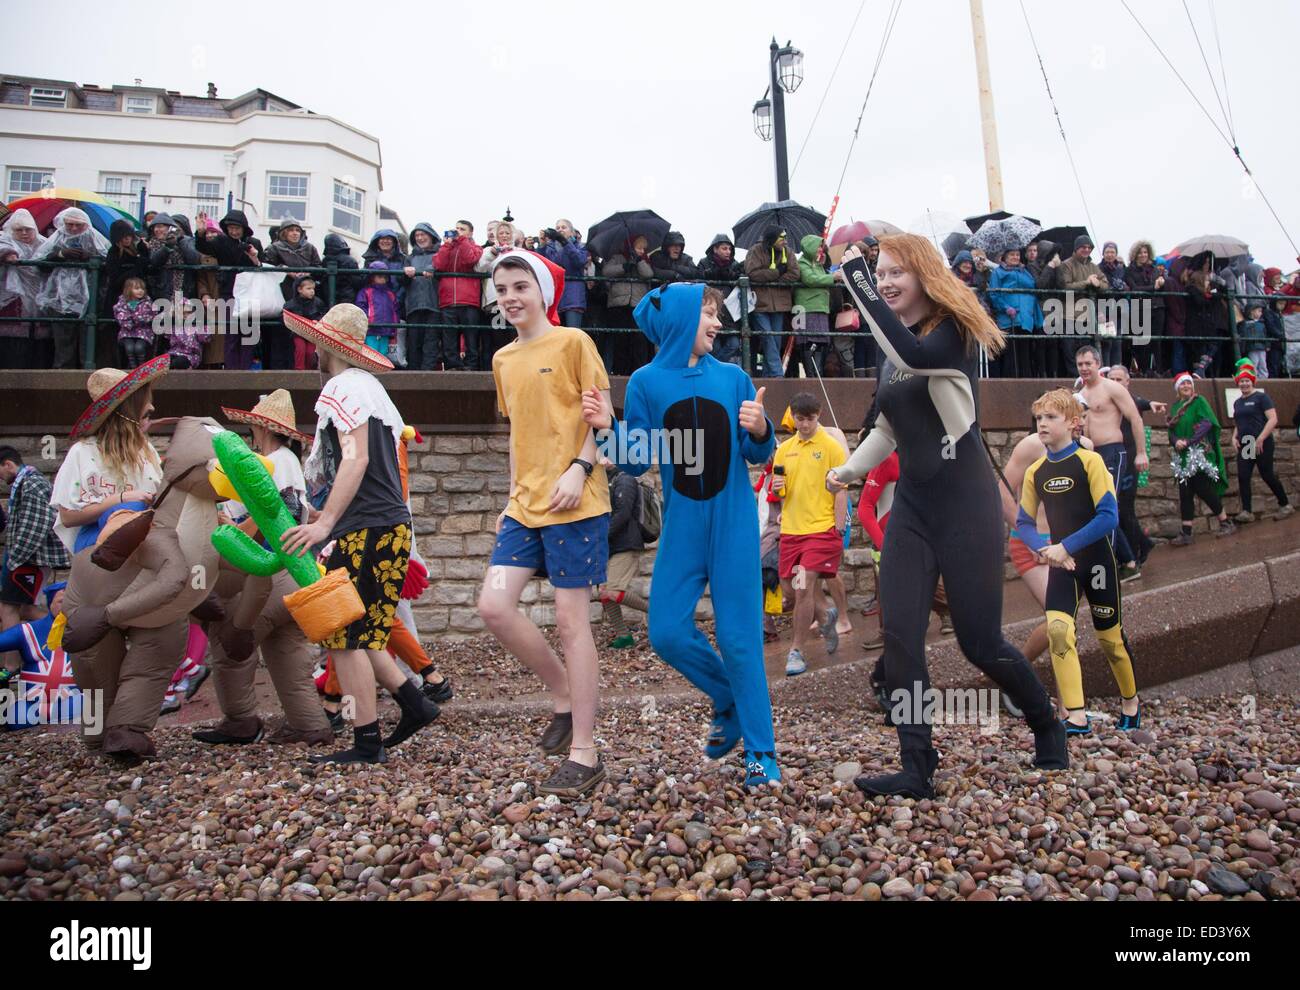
column 785, row 72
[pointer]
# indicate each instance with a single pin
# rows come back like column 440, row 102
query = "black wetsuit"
column 946, row 518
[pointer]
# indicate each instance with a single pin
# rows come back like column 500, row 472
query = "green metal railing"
column 331, row 275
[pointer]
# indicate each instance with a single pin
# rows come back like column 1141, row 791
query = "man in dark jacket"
column 671, row 263
column 773, row 266
column 719, row 264
column 423, row 345
column 346, row 286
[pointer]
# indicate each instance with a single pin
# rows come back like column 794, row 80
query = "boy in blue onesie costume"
column 710, row 529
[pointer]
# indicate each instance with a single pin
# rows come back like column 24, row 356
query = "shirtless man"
column 1138, row 541
column 1108, row 403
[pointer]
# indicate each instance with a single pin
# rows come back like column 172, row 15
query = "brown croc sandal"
column 573, row 780
column 559, row 734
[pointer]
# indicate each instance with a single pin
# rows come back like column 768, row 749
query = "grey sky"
column 579, row 109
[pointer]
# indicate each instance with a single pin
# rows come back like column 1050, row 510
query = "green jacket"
column 814, row 292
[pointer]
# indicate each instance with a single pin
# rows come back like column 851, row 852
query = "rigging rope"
column 1223, row 70
column 1060, row 125
column 1208, row 71
column 830, row 82
column 1231, row 143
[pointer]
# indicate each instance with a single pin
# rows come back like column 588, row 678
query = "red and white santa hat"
column 549, row 275
column 1184, row 377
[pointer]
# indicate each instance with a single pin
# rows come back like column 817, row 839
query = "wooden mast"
column 992, row 160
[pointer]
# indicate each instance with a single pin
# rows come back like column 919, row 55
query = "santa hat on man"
column 549, row 275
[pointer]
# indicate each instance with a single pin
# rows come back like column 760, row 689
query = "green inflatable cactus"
column 256, row 489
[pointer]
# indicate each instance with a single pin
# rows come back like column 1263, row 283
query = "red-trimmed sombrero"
column 275, row 412
column 341, row 331
column 110, row 387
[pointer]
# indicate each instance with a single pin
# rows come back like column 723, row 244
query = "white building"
column 272, row 158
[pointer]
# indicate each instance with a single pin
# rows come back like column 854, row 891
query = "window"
column 45, row 96
column 349, row 204
column 287, row 197
column 141, row 104
column 26, row 181
column 208, row 198
column 123, row 191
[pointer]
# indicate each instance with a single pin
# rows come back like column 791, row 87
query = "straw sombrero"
column 275, row 412
column 341, row 331
column 110, row 387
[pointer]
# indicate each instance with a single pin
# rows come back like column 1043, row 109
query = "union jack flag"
column 51, row 692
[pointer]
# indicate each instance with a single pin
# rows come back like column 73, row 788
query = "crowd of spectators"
column 431, row 306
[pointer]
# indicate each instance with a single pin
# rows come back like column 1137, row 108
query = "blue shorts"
column 569, row 555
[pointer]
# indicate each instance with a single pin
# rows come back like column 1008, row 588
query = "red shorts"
column 1022, row 557
column 816, row 552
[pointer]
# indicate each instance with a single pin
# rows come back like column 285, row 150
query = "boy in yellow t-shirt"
column 812, row 524
column 556, row 523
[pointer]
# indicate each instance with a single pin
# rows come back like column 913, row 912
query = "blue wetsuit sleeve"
column 1106, row 517
column 1027, row 531
column 1098, row 528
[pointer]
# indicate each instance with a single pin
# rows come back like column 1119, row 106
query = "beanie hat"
column 549, row 275
column 1083, row 240
column 1110, row 244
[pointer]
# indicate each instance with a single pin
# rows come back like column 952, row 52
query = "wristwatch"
column 586, row 465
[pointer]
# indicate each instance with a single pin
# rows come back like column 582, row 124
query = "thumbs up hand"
column 752, row 417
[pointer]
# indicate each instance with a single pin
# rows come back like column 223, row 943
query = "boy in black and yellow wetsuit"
column 1078, row 495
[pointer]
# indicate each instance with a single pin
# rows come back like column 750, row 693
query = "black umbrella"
column 611, row 235
column 954, row 243
column 975, row 223
column 1063, row 238
column 797, row 222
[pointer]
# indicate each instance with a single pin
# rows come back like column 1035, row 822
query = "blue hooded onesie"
column 710, row 529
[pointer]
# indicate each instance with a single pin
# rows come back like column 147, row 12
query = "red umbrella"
column 846, row 235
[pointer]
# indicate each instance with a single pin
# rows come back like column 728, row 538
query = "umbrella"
column 937, row 227
column 612, row 235
column 797, row 222
column 1220, row 245
column 975, row 223
column 955, row 243
column 844, row 236
column 881, row 227
column 996, row 237
column 1063, row 238
column 47, row 204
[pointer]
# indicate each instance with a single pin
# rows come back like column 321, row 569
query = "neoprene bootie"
column 1050, row 749
column 913, row 781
